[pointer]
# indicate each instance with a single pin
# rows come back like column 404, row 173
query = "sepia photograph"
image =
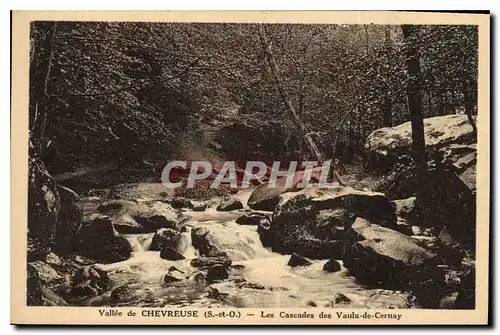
column 329, row 167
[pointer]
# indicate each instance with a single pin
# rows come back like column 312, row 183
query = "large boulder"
column 129, row 217
column 213, row 240
column 372, row 206
column 266, row 198
column 313, row 222
column 98, row 240
column 43, row 207
column 168, row 238
column 385, row 145
column 385, row 256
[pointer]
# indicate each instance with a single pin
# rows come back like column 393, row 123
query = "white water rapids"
column 265, row 280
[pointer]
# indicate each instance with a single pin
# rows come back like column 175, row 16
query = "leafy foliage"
column 123, row 92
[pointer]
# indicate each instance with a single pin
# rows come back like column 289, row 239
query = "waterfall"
column 140, row 242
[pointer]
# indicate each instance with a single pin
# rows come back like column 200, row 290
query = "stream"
column 258, row 277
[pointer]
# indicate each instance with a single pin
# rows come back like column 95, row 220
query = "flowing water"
column 258, row 277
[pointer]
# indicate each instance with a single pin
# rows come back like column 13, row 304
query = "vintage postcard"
column 250, row 168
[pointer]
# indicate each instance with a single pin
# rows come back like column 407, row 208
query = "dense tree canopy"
column 105, row 92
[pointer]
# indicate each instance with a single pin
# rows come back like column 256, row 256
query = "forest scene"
column 390, row 110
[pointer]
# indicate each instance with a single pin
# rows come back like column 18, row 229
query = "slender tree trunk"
column 410, row 33
column 454, row 101
column 39, row 80
column 387, row 113
column 449, row 108
column 301, row 109
column 469, row 109
column 440, row 105
column 367, row 41
column 288, row 104
column 431, row 107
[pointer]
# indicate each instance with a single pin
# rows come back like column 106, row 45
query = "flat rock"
column 385, row 256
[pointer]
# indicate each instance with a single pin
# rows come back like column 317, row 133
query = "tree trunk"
column 431, row 108
column 410, row 33
column 367, row 41
column 387, row 113
column 301, row 109
column 469, row 109
column 281, row 88
column 441, row 105
column 39, row 79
